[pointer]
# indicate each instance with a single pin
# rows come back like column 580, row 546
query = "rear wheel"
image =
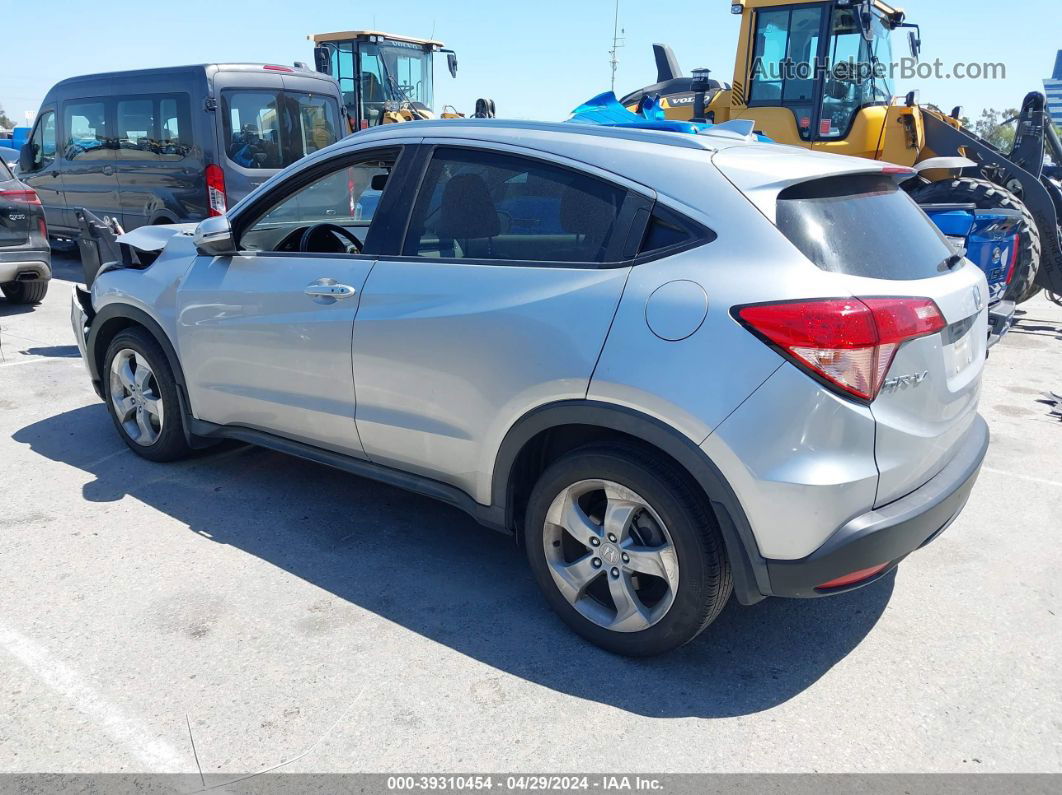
column 25, row 292
column 625, row 550
column 986, row 195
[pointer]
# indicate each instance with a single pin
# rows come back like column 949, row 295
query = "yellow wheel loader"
column 386, row 78
column 819, row 74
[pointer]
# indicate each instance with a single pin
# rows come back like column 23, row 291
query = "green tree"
column 5, row 121
column 991, row 127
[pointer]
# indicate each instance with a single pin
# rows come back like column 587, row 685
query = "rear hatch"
column 864, row 227
column 16, row 218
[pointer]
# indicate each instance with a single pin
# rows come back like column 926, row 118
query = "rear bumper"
column 1000, row 319
column 25, row 266
column 888, row 534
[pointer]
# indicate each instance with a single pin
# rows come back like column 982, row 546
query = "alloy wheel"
column 610, row 555
column 135, row 397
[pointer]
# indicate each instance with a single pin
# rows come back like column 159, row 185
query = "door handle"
column 329, row 288
column 108, row 170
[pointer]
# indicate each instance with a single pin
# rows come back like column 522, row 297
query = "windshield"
column 393, row 73
column 272, row 129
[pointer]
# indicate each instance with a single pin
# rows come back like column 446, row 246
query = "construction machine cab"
column 383, row 77
column 813, row 69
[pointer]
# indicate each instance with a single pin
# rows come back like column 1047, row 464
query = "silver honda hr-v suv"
column 673, row 366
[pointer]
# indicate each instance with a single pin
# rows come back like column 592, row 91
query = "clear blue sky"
column 535, row 58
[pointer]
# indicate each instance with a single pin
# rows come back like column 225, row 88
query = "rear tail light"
column 42, row 227
column 215, row 181
column 1015, row 244
column 852, row 579
column 848, row 343
column 21, row 196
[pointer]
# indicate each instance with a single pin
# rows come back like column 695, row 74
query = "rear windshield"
column 5, row 173
column 272, row 129
column 863, row 226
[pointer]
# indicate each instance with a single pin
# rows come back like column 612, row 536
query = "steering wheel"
column 311, row 232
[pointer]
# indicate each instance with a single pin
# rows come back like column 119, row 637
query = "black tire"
column 171, row 444
column 25, row 292
column 986, row 195
column 704, row 580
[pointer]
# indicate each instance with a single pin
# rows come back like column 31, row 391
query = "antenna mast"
column 617, row 42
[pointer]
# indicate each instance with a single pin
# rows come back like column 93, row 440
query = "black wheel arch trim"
column 749, row 569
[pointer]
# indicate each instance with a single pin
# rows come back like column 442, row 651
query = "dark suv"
column 25, row 259
column 159, row 146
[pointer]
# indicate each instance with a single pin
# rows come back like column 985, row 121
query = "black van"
column 159, row 146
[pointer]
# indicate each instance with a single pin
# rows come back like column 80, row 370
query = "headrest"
column 467, row 211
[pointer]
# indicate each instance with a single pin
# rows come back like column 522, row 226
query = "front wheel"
column 625, row 549
column 141, row 396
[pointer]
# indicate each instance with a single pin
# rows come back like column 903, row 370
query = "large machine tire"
column 986, row 195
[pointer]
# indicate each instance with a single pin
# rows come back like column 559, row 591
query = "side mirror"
column 866, row 21
column 26, row 156
column 451, row 63
column 915, row 43
column 213, row 237
column 322, row 59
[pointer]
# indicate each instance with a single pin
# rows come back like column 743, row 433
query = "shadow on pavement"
column 8, row 309
column 432, row 570
column 60, row 351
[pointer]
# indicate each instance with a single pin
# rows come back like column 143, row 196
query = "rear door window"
column 667, row 231
column 862, row 225
column 482, row 205
column 266, row 129
column 87, row 132
column 153, row 127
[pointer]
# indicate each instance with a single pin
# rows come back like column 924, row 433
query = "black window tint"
column 667, row 229
column 87, row 136
column 485, row 205
column 849, row 225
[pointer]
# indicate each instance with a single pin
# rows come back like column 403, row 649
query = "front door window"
column 346, row 198
column 43, row 141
